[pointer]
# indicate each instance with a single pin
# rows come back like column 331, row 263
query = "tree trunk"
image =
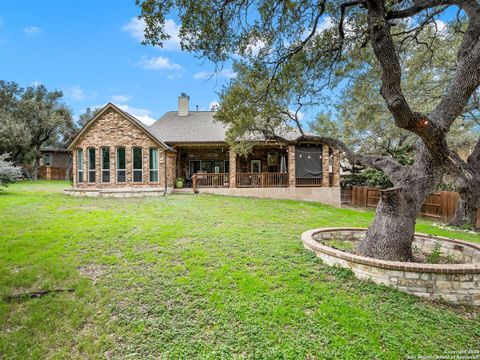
column 390, row 236
column 69, row 168
column 466, row 211
column 36, row 167
column 391, row 233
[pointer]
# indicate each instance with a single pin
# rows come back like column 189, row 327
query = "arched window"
column 91, row 165
column 153, row 165
column 121, row 165
column 80, row 165
column 137, row 164
column 105, row 164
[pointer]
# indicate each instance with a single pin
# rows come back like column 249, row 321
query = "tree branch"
column 417, row 7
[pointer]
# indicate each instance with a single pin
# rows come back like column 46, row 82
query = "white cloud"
column 325, row 24
column 205, row 75
column 441, row 26
column 159, row 63
column 255, row 47
column 202, row 75
column 300, row 114
column 75, row 93
column 213, row 105
column 136, row 28
column 32, row 30
column 120, row 98
column 144, row 115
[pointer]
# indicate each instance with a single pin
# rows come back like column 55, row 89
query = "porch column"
column 291, row 166
column 325, row 165
column 336, row 168
column 171, row 170
column 233, row 168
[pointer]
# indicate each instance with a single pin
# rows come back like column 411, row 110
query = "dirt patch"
column 92, row 271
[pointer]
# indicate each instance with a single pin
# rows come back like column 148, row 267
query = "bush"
column 9, row 173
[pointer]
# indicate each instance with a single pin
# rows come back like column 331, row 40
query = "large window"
column 91, row 165
column 105, row 164
column 80, row 165
column 121, row 165
column 137, row 164
column 153, row 165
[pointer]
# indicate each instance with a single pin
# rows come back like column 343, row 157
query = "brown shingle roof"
column 200, row 127
column 197, row 126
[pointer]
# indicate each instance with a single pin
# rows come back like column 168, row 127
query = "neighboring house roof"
column 197, row 126
column 53, row 149
column 129, row 117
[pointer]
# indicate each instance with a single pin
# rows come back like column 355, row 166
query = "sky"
column 91, row 50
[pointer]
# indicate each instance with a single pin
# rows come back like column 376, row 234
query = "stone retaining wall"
column 455, row 283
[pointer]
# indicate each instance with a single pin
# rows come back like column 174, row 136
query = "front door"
column 256, row 166
column 195, row 166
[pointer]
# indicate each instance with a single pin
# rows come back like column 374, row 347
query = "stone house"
column 117, row 155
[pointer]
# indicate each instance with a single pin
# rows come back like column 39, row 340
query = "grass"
column 200, row 277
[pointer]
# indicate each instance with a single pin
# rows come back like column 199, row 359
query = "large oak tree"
column 289, row 54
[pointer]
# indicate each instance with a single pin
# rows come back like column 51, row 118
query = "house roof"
column 197, row 126
column 129, row 117
column 201, row 127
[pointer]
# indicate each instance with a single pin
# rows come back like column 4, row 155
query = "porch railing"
column 262, row 180
column 210, row 180
column 313, row 182
column 308, row 182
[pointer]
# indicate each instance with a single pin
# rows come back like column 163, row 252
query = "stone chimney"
column 183, row 104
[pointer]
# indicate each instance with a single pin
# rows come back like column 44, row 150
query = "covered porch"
column 267, row 166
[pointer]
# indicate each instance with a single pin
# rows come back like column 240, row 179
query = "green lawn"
column 200, row 276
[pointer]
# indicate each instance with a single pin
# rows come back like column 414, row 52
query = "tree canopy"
column 30, row 118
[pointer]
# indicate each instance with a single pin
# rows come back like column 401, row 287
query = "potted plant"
column 179, row 183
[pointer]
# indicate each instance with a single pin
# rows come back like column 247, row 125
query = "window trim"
column 80, row 169
column 95, row 165
column 150, row 169
column 118, row 162
column 102, row 170
column 133, row 164
column 49, row 157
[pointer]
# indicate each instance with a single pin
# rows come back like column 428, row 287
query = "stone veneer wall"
column 455, row 283
column 113, row 130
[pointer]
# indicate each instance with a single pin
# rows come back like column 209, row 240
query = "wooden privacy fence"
column 439, row 205
column 51, row 173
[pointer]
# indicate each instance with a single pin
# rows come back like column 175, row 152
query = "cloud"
column 213, row 105
column 159, row 63
column 205, row 75
column 144, row 115
column 32, row 30
column 76, row 93
column 300, row 114
column 441, row 26
column 120, row 98
column 136, row 28
column 325, row 24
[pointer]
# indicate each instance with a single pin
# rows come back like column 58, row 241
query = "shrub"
column 9, row 173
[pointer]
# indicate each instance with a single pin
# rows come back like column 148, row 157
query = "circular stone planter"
column 455, row 283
